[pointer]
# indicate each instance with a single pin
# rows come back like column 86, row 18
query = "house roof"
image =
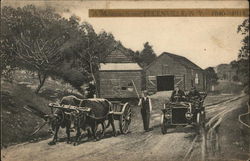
column 182, row 60
column 119, row 66
column 118, row 56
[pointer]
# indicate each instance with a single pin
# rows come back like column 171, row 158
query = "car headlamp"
column 188, row 115
column 168, row 115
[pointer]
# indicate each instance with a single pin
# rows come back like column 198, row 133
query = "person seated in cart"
column 90, row 91
column 177, row 95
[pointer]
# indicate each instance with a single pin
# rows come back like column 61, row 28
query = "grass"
column 235, row 136
column 228, row 87
column 17, row 123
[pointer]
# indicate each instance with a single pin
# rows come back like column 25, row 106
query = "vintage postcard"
column 124, row 80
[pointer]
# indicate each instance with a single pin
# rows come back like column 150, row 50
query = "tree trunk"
column 94, row 79
column 42, row 79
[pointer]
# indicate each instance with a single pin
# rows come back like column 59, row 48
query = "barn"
column 119, row 76
column 169, row 69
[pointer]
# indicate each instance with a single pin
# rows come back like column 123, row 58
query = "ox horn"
column 39, row 128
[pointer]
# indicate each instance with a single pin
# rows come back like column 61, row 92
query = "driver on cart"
column 177, row 95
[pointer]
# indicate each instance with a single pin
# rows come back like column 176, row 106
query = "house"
column 119, row 76
column 169, row 69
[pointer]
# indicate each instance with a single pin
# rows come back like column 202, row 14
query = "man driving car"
column 178, row 95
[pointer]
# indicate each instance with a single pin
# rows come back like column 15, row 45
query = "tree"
column 242, row 64
column 243, row 29
column 211, row 77
column 34, row 38
column 241, row 67
column 92, row 49
column 147, row 55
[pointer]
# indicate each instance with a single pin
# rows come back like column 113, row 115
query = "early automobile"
column 183, row 113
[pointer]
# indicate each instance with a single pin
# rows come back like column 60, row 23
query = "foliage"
column 243, row 29
column 242, row 64
column 41, row 41
column 34, row 38
column 146, row 56
column 242, row 70
column 211, row 76
column 91, row 49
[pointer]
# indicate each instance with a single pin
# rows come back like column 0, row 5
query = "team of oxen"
column 77, row 115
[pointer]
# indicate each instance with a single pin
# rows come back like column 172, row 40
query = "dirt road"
column 137, row 145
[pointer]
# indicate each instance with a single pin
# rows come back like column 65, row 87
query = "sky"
column 206, row 41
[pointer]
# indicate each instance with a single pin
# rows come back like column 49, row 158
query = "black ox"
column 100, row 110
column 63, row 118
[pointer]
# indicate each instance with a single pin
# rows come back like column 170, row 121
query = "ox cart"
column 120, row 111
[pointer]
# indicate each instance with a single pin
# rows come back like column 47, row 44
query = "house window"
column 130, row 87
column 130, row 84
column 196, row 78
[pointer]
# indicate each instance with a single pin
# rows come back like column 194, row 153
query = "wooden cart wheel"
column 163, row 124
column 125, row 119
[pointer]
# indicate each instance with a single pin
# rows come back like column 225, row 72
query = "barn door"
column 151, row 83
column 180, row 81
column 165, row 83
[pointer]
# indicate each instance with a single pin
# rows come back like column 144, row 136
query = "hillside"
column 17, row 123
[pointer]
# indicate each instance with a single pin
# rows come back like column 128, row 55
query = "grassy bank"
column 235, row 136
column 17, row 123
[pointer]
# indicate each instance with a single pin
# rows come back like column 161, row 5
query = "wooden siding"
column 118, row 84
column 190, row 79
column 168, row 66
column 117, row 56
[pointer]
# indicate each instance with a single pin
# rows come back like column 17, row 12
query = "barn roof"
column 118, row 56
column 119, row 67
column 182, row 60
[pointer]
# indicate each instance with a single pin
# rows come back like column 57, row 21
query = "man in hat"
column 194, row 94
column 90, row 91
column 146, row 109
column 178, row 95
column 194, row 97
